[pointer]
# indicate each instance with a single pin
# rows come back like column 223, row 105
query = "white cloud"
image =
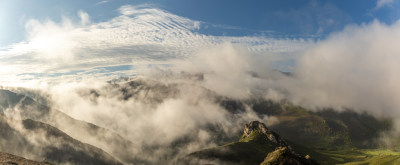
column 101, row 2
column 140, row 33
column 84, row 18
column 354, row 69
column 383, row 3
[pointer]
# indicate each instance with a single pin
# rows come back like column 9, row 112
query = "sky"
column 44, row 40
column 301, row 18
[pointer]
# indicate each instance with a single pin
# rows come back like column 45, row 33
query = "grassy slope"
column 346, row 137
column 235, row 153
column 364, row 156
column 329, row 129
column 253, row 150
column 327, row 136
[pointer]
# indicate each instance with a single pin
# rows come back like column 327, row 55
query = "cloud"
column 335, row 72
column 141, row 34
column 353, row 69
column 50, row 41
column 101, row 2
column 383, row 3
column 164, row 115
column 84, row 18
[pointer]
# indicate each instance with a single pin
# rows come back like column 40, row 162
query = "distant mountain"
column 34, row 111
column 42, row 141
column 9, row 159
column 327, row 136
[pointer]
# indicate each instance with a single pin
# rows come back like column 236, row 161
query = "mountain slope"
column 86, row 132
column 256, row 143
column 15, row 160
column 41, row 141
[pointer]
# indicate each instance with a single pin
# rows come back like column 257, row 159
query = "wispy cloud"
column 140, row 33
column 101, row 2
column 383, row 3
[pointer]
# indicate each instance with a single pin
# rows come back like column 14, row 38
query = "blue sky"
column 283, row 18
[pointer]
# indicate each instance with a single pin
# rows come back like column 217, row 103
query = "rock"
column 263, row 130
column 281, row 156
column 255, row 125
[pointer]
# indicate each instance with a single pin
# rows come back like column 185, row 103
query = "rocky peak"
column 284, row 154
column 255, row 126
column 261, row 128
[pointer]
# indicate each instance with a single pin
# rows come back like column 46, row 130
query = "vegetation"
column 328, row 136
column 364, row 156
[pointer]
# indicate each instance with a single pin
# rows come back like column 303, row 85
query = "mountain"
column 38, row 140
column 258, row 144
column 9, row 159
column 106, row 139
column 327, row 136
column 322, row 129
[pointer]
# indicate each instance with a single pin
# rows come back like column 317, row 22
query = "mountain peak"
column 255, row 126
column 258, row 132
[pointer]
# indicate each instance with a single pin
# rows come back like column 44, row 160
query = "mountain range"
column 33, row 129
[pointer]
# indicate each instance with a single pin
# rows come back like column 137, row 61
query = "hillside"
column 41, row 141
column 85, row 132
column 257, row 143
column 9, row 159
column 328, row 136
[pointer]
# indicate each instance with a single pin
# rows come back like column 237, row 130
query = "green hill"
column 327, row 136
column 252, row 148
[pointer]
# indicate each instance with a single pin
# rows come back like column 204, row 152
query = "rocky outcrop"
column 280, row 156
column 258, row 129
column 283, row 154
column 257, row 145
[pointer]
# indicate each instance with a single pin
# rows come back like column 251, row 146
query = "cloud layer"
column 139, row 35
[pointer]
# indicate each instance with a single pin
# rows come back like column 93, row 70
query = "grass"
column 363, row 156
column 327, row 136
column 381, row 157
column 236, row 153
